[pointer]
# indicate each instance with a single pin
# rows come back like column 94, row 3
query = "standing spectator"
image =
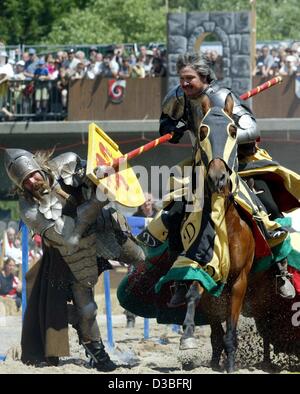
column 148, row 209
column 110, row 67
column 31, row 64
column 148, row 62
column 98, row 64
column 10, row 285
column 79, row 71
column 125, row 69
column 71, row 63
column 265, row 62
column 217, row 64
column 290, row 66
column 6, row 73
column 41, row 76
column 138, row 71
column 18, row 87
column 93, row 51
column 158, row 69
column 50, row 65
column 62, row 86
column 143, row 53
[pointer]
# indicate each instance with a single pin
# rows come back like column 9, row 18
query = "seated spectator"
column 10, row 285
column 35, row 252
column 10, row 247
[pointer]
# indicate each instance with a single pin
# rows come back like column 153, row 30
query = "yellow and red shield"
column 121, row 186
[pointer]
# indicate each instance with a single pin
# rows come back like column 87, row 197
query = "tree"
column 119, row 21
column 29, row 21
column 107, row 21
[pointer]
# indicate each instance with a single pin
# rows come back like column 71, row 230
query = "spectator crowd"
column 11, row 262
column 275, row 61
column 39, row 83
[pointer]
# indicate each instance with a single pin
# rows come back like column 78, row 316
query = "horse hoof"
column 188, row 343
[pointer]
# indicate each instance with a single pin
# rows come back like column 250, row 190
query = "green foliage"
column 107, row 21
column 14, row 208
column 29, row 21
column 118, row 21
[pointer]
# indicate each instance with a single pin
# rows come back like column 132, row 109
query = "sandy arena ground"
column 134, row 355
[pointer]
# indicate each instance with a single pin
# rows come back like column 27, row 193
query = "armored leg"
column 131, row 253
column 87, row 311
column 88, row 330
column 130, row 318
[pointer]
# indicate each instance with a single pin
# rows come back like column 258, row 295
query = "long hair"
column 199, row 62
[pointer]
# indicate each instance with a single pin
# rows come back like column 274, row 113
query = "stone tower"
column 186, row 31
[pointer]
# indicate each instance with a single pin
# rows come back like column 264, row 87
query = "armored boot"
column 99, row 359
column 284, row 286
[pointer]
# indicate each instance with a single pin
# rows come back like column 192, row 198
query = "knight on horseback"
column 181, row 111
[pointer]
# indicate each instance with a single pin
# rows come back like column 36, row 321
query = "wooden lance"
column 152, row 144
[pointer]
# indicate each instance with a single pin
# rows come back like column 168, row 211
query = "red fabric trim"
column 296, row 278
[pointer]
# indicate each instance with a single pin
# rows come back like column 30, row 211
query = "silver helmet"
column 19, row 163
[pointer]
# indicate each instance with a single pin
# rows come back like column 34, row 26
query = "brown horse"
column 216, row 129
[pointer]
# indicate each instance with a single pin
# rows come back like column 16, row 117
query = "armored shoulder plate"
column 174, row 103
column 32, row 217
column 70, row 167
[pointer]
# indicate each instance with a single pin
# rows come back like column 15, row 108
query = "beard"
column 40, row 189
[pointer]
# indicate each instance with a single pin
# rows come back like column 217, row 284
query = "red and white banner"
column 116, row 90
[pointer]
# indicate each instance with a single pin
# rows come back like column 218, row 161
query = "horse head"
column 217, row 145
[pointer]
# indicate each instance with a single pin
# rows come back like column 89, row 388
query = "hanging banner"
column 116, row 90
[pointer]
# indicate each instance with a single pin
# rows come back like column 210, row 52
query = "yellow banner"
column 121, row 186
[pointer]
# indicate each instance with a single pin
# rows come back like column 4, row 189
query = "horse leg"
column 267, row 356
column 217, row 344
column 238, row 292
column 187, row 341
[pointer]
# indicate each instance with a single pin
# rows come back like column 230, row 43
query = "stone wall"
column 232, row 29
